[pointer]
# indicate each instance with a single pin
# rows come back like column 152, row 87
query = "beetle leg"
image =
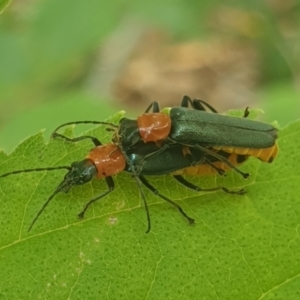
column 196, row 104
column 155, row 107
column 190, row 185
column 156, row 192
column 111, row 186
column 220, row 158
column 221, row 172
column 246, row 112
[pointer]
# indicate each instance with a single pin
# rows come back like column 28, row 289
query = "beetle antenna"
column 85, row 122
column 57, row 190
column 34, row 170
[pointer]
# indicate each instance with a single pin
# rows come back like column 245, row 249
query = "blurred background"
column 72, row 60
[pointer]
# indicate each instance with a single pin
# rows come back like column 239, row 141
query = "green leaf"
column 272, row 96
column 3, row 5
column 68, row 107
column 241, row 247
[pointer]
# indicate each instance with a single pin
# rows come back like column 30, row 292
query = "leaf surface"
column 241, row 247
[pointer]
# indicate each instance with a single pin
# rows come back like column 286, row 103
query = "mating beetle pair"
column 176, row 141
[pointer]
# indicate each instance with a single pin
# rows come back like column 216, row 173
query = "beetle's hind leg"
column 196, row 188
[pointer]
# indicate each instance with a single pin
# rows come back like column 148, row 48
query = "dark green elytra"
column 194, row 127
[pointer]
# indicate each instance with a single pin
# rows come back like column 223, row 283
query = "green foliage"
column 50, row 49
column 69, row 107
column 281, row 101
column 242, row 247
column 3, row 4
column 57, row 42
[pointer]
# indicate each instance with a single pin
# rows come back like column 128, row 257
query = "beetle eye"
column 81, row 172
